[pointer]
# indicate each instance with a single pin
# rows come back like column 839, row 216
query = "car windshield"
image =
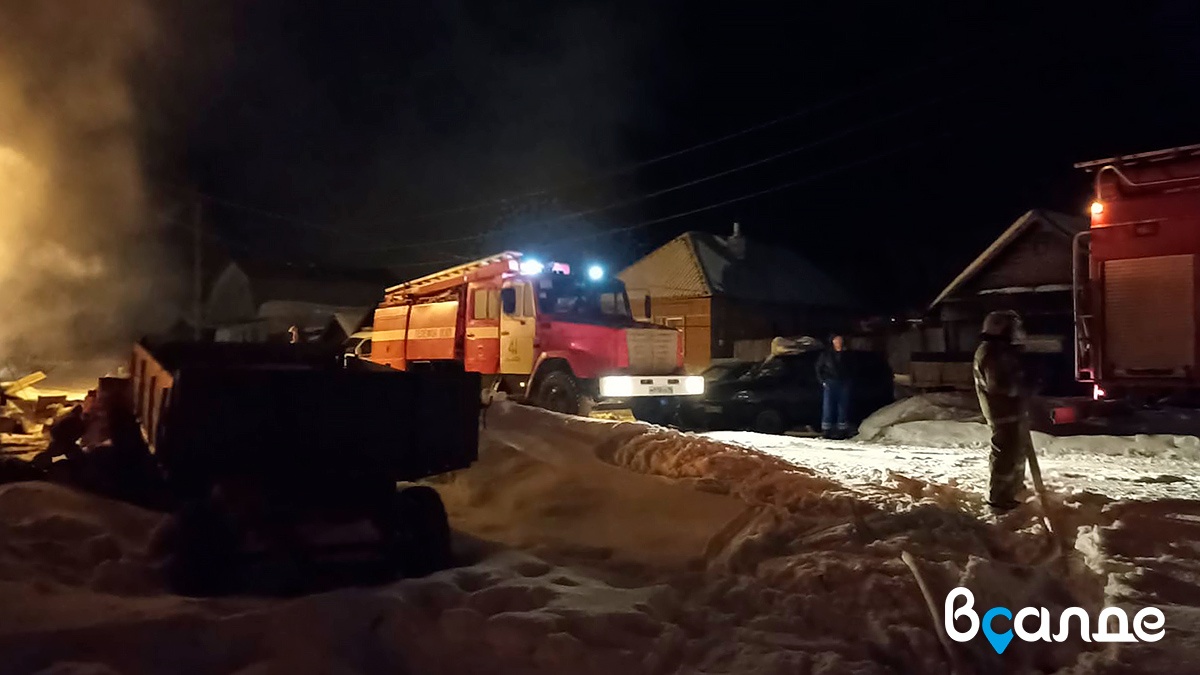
column 565, row 295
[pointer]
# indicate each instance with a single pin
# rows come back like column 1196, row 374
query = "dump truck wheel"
column 558, row 391
column 198, row 550
column 424, row 531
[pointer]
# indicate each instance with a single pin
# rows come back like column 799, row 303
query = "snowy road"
column 955, row 453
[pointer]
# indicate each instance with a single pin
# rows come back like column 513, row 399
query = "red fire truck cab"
column 1136, row 275
column 536, row 332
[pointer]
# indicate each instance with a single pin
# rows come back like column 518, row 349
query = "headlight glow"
column 616, row 386
column 693, row 385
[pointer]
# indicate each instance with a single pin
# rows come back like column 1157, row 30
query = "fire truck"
column 1135, row 276
column 536, row 332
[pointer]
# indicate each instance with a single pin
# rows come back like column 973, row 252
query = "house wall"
column 694, row 316
column 739, row 321
column 713, row 327
column 1047, row 317
column 1039, row 257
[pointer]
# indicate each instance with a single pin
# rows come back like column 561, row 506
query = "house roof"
column 699, row 264
column 1067, row 225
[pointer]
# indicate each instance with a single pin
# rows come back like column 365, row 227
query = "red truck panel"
column 432, row 331
column 1142, row 274
column 387, row 339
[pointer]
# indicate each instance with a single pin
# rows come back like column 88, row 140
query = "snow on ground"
column 601, row 547
column 938, row 439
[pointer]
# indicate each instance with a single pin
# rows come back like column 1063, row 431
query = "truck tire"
column 558, row 391
column 424, row 531
column 197, row 550
column 769, row 422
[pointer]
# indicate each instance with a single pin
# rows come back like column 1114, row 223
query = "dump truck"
column 536, row 332
column 1135, row 276
column 283, row 464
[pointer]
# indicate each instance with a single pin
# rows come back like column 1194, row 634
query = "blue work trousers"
column 835, row 408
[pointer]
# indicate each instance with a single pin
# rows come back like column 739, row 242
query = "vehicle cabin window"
column 525, row 300
column 486, row 303
column 525, row 293
column 773, row 369
column 804, row 369
column 364, row 349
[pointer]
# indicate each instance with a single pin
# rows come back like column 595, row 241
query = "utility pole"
column 197, row 283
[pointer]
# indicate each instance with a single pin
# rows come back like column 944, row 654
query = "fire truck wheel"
column 424, row 531
column 558, row 391
column 768, row 422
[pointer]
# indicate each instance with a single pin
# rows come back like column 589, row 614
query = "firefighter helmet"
column 1003, row 323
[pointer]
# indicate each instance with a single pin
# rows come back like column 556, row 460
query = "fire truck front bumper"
column 641, row 386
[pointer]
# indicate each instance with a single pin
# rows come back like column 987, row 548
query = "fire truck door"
column 517, row 327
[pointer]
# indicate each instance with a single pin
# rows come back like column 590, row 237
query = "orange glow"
column 1097, row 208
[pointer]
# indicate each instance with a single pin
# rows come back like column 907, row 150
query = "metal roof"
column 1169, row 153
column 670, row 271
column 698, row 264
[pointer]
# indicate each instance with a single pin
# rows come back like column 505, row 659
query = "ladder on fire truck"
column 448, row 278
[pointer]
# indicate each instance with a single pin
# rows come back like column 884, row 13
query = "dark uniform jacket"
column 832, row 366
column 999, row 380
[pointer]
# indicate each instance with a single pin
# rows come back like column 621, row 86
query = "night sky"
column 904, row 136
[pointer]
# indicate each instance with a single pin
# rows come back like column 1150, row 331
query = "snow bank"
column 642, row 550
column 951, row 406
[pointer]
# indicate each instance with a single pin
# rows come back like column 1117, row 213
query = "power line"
column 691, row 183
column 796, row 114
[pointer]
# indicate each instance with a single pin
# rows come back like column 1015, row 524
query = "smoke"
column 79, row 269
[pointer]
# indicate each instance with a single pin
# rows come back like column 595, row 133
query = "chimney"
column 736, row 242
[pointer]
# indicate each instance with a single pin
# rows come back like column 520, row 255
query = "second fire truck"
column 536, row 332
column 1137, row 306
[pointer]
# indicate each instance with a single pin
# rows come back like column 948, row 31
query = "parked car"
column 783, row 393
column 358, row 346
column 723, row 370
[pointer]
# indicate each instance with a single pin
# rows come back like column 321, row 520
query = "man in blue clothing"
column 834, row 373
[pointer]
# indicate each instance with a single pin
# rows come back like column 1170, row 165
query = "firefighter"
column 1000, row 383
column 834, row 375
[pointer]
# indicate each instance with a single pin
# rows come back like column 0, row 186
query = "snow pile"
column 944, row 406
column 601, row 547
column 568, row 505
column 65, row 611
column 55, row 536
column 809, row 543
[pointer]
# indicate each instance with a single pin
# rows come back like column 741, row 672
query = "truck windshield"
column 570, row 296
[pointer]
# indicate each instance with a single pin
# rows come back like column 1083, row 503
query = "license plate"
column 664, row 389
column 713, row 409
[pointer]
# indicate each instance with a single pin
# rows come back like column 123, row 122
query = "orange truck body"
column 1136, row 274
column 514, row 321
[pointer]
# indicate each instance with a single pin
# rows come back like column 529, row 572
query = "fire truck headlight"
column 1097, row 208
column 531, row 266
column 693, row 385
column 616, row 386
column 595, row 273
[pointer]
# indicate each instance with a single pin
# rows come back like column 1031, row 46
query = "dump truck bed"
column 270, row 415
